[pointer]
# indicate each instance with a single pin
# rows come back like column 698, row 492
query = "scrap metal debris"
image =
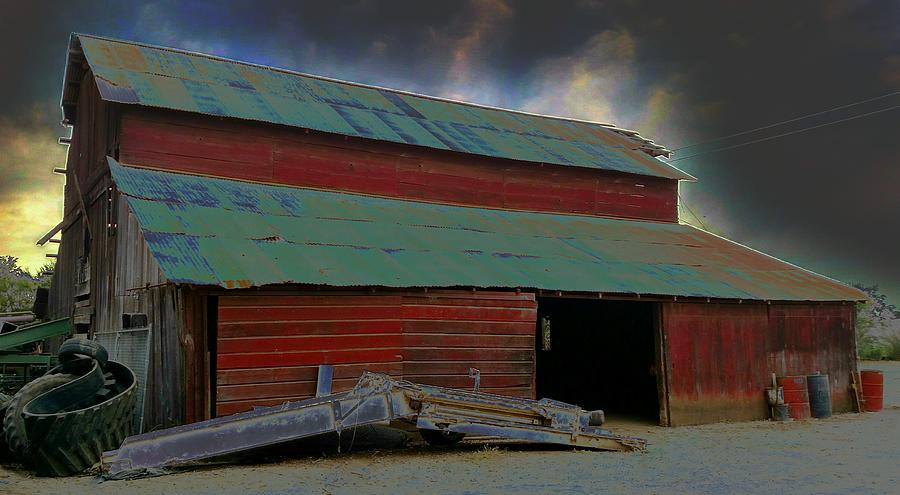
column 443, row 415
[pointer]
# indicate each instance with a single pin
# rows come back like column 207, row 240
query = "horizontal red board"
column 288, row 328
column 414, row 368
column 277, row 389
column 301, row 373
column 470, row 340
column 300, row 313
column 265, row 360
column 464, row 381
column 268, row 301
column 476, row 313
column 477, row 327
column 471, row 355
column 308, row 343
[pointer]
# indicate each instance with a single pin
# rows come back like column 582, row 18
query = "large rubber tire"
column 13, row 423
column 441, row 437
column 4, row 401
column 78, row 346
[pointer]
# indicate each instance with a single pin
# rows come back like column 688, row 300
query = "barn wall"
column 719, row 357
column 269, row 346
column 94, row 135
column 230, row 148
column 804, row 339
column 447, row 332
column 127, row 279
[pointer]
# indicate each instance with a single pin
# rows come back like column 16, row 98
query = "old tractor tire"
column 72, row 440
column 4, row 401
column 13, row 423
column 83, row 347
column 441, row 437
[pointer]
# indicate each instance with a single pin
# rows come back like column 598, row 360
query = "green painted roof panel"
column 133, row 73
column 230, row 233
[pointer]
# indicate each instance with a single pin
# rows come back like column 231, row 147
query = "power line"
column 682, row 202
column 769, row 138
column 795, row 119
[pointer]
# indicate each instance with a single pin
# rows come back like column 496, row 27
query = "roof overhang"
column 234, row 234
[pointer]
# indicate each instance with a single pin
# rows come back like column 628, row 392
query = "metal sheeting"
column 235, row 234
column 133, row 73
column 131, row 347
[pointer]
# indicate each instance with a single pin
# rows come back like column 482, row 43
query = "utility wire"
column 797, row 131
column 795, row 119
column 682, row 202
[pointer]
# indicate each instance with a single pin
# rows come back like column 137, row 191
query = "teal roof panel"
column 138, row 74
column 228, row 233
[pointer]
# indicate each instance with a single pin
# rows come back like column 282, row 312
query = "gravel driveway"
column 850, row 453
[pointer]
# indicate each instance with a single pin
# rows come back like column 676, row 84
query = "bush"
column 868, row 346
column 891, row 345
column 17, row 285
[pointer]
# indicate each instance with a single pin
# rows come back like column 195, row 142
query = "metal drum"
column 781, row 412
column 872, row 382
column 819, row 396
column 796, row 395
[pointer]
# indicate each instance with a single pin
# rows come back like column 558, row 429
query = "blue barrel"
column 819, row 396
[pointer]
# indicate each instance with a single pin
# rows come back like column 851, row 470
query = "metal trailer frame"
column 376, row 398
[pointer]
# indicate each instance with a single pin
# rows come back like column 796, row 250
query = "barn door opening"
column 599, row 354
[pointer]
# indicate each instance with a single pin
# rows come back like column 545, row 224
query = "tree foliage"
column 877, row 326
column 18, row 285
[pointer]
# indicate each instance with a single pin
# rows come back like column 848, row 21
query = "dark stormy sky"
column 679, row 72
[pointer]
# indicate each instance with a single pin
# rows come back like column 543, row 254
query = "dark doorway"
column 602, row 355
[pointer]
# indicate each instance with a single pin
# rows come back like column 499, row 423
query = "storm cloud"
column 826, row 199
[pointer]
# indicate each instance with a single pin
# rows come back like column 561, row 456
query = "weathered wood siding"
column 95, row 134
column 267, row 153
column 269, row 346
column 720, row 357
column 124, row 276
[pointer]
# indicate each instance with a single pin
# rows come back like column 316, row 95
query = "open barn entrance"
column 599, row 354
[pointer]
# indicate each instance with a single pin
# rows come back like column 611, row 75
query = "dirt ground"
column 849, row 453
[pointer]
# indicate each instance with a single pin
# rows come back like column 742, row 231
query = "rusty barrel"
column 872, row 382
column 819, row 396
column 796, row 395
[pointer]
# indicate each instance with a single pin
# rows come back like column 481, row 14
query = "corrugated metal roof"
column 237, row 234
column 133, row 73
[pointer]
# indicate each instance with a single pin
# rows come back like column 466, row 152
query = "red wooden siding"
column 805, row 339
column 269, row 346
column 446, row 333
column 266, row 153
column 719, row 357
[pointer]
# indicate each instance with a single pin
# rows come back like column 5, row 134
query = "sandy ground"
column 850, row 453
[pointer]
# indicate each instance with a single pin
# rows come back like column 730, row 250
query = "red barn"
column 268, row 221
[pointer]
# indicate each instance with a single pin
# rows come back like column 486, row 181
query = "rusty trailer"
column 376, row 398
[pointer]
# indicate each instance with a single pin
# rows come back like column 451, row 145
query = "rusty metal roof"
column 233, row 234
column 133, row 73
